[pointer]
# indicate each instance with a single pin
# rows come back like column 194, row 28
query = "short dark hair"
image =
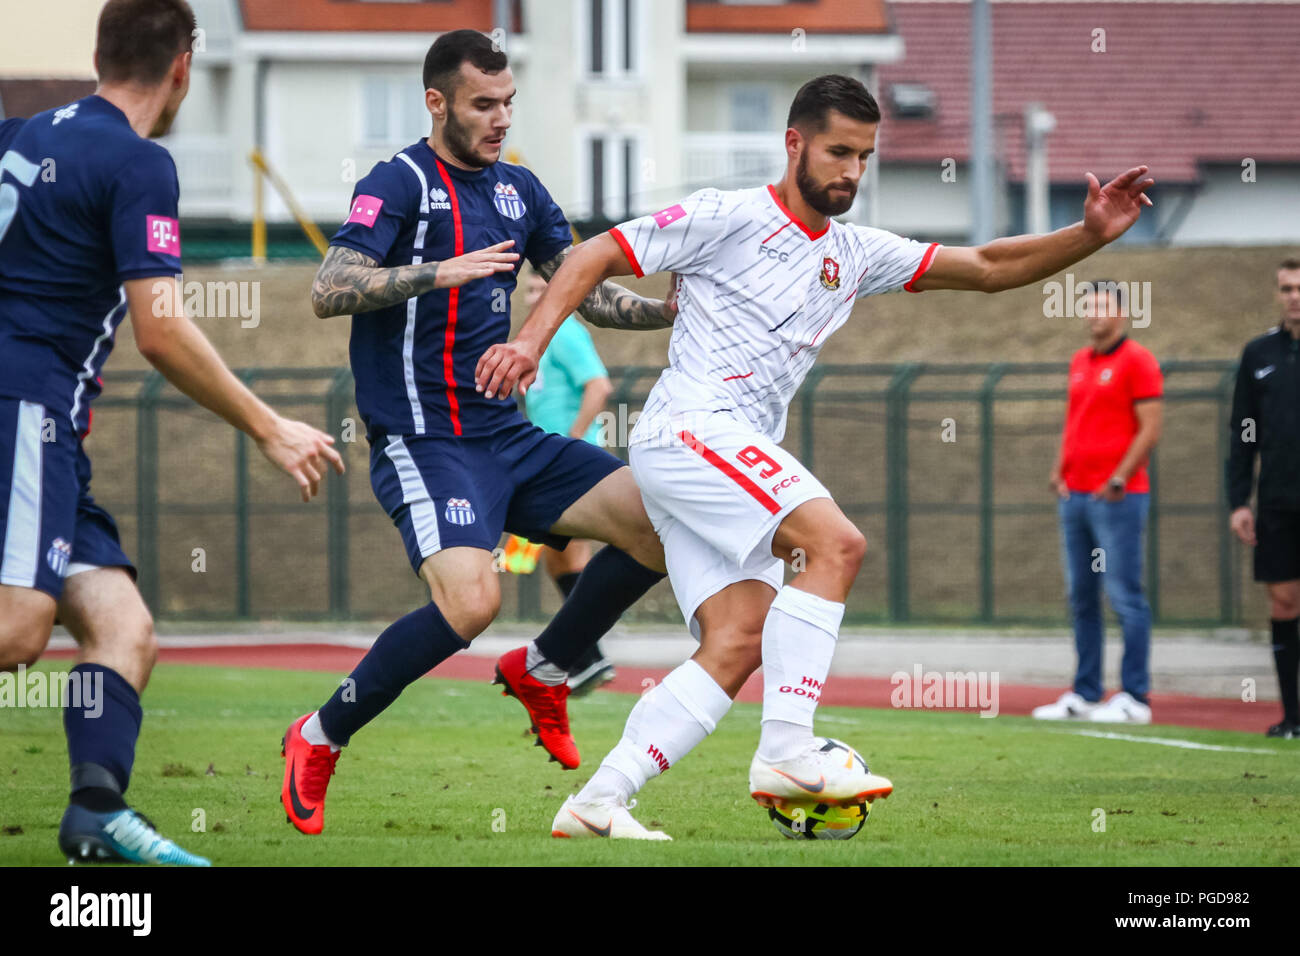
column 137, row 40
column 1289, row 263
column 1111, row 287
column 843, row 94
column 449, row 51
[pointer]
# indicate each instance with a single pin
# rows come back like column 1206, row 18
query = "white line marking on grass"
column 1164, row 741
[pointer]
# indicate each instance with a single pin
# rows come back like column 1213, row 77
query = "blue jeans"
column 1116, row 528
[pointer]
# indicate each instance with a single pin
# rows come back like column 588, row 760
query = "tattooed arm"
column 576, row 282
column 610, row 306
column 350, row 282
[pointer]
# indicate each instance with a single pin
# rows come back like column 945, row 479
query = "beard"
column 460, row 142
column 819, row 197
column 164, row 122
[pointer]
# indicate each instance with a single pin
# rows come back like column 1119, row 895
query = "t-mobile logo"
column 164, row 235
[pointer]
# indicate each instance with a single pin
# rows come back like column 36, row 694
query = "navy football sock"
column 1286, row 655
column 405, row 652
column 565, row 582
column 102, row 723
column 611, row 583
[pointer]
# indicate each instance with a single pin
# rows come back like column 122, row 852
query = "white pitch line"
column 1164, row 741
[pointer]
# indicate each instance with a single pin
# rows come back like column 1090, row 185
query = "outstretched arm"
column 1008, row 263
column 350, row 282
column 576, row 284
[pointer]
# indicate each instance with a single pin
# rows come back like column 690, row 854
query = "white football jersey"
column 758, row 297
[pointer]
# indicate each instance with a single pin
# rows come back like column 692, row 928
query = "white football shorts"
column 715, row 490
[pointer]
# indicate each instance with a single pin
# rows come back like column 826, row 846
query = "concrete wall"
column 1228, row 210
column 53, row 38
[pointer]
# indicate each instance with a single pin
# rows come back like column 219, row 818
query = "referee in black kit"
column 1266, row 417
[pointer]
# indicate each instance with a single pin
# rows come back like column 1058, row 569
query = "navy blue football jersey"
column 85, row 205
column 414, row 362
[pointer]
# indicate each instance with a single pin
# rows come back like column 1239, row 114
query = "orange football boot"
column 545, row 705
column 307, row 772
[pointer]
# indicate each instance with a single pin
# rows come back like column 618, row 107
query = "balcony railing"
column 733, row 160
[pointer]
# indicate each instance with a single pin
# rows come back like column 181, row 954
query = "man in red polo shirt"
column 1112, row 421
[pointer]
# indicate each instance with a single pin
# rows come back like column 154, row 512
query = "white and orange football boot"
column 603, row 818
column 830, row 771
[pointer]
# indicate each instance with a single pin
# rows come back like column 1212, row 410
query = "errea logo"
column 438, row 199
column 68, row 112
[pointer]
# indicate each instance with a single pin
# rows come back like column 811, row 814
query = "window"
column 393, row 111
column 611, row 170
column 751, row 108
column 613, row 35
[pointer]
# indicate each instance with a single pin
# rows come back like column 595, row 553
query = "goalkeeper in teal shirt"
column 569, row 394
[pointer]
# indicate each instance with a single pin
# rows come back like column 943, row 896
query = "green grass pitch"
column 446, row 777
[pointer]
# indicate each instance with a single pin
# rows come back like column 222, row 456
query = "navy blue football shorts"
column 50, row 526
column 445, row 492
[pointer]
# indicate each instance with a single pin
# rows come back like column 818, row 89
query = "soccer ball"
column 818, row 821
column 810, row 820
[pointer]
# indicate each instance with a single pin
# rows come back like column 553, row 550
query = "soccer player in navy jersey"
column 88, row 233
column 425, row 265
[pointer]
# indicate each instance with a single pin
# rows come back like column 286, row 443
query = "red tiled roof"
column 353, row 15
column 814, row 16
column 1179, row 83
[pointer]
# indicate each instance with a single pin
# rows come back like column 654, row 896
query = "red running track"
column 1212, row 713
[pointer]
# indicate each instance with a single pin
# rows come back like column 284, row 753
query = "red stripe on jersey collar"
column 795, row 219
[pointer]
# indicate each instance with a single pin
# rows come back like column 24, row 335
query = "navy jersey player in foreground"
column 425, row 265
column 88, row 233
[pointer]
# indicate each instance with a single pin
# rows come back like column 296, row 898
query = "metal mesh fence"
column 944, row 467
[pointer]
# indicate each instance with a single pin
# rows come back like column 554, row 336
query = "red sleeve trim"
column 627, row 251
column 926, row 261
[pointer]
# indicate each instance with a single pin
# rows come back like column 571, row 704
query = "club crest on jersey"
column 58, row 556
column 830, row 274
column 459, row 511
column 438, row 199
column 508, row 202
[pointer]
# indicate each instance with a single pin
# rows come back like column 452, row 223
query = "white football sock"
column 315, row 735
column 664, row 726
column 798, row 644
column 540, row 669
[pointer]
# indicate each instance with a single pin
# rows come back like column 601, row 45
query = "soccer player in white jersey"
column 766, row 275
